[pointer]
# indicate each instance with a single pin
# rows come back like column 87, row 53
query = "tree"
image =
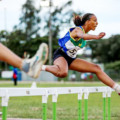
column 26, row 30
column 3, row 36
column 106, row 50
column 29, row 20
column 16, row 42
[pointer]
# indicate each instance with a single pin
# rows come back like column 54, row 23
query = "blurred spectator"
column 15, row 73
column 84, row 76
column 91, row 76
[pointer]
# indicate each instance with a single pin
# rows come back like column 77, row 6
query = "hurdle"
column 6, row 93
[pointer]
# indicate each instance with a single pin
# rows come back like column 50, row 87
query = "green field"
column 67, row 105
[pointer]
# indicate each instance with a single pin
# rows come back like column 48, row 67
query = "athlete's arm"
column 78, row 33
column 89, row 37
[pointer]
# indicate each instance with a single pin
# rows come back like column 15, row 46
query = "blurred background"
column 25, row 24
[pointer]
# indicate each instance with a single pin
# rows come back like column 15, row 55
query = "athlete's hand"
column 101, row 35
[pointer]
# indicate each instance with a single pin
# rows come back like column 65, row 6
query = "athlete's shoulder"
column 80, row 28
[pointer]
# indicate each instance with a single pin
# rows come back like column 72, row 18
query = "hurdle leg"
column 44, row 105
column 79, row 110
column 86, row 109
column 109, row 110
column 4, row 107
column 86, row 94
column 54, row 100
column 109, row 104
column 104, row 105
column 44, row 111
column 54, row 110
column 80, row 105
column 4, row 111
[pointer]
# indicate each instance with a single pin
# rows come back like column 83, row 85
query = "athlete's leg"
column 31, row 66
column 59, row 67
column 8, row 56
column 84, row 66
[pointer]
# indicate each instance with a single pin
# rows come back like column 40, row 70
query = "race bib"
column 73, row 52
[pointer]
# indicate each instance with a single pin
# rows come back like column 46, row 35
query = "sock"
column 25, row 66
column 116, row 87
column 44, row 67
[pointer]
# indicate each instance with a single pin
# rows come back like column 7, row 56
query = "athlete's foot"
column 37, row 61
column 116, row 87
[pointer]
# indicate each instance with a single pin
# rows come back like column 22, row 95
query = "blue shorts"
column 60, row 53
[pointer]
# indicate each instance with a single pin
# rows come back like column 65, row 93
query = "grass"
column 67, row 105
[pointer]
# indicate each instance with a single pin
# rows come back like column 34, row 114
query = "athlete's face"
column 93, row 22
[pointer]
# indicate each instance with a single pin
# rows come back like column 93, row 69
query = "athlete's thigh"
column 82, row 66
column 62, row 63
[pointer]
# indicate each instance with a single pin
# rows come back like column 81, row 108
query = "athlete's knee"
column 61, row 73
column 97, row 68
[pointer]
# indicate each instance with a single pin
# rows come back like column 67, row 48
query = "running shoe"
column 37, row 61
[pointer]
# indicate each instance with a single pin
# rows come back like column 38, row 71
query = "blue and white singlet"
column 69, row 45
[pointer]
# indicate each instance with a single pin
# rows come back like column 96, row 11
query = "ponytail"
column 79, row 21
